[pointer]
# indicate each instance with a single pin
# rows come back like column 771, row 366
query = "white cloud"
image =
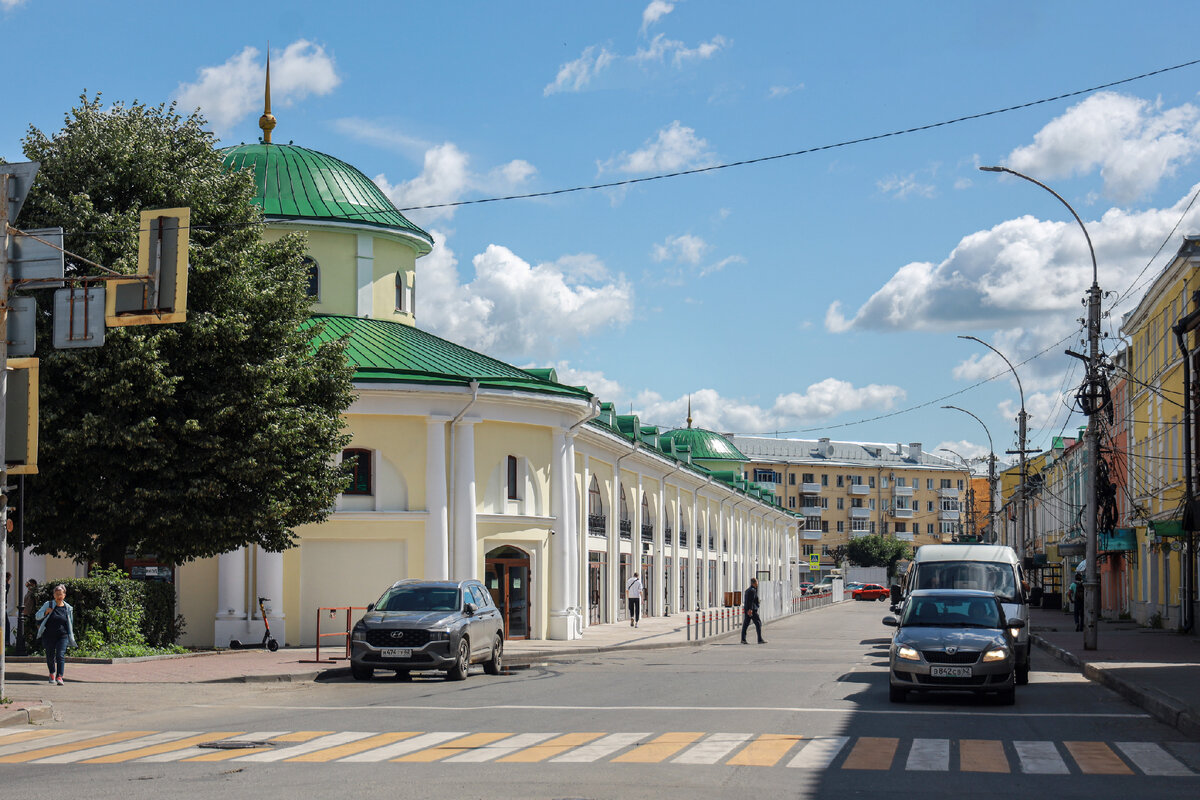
column 10, row 4
column 654, row 12
column 675, row 147
column 783, row 91
column 574, row 76
column 1135, row 144
column 686, row 256
column 661, row 47
column 902, row 186
column 516, row 310
column 597, row 383
column 230, row 92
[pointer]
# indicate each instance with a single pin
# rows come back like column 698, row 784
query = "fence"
column 776, row 599
column 345, row 633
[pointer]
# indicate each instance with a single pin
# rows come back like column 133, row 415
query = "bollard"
column 689, row 627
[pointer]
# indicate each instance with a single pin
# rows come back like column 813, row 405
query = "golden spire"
column 689, row 411
column 267, row 120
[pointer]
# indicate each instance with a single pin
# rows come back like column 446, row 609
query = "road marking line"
column 764, row 751
column 119, row 747
column 819, row 752
column 189, row 753
column 712, row 749
column 981, row 755
column 311, row 746
column 351, row 748
column 23, row 736
column 166, row 747
column 301, row 736
column 872, row 752
column 601, row 748
column 491, row 752
column 402, row 747
column 81, row 744
column 554, row 747
column 452, row 748
column 929, row 755
column 1152, row 759
column 1096, row 758
column 658, row 748
column 55, row 737
column 1040, row 758
column 228, row 755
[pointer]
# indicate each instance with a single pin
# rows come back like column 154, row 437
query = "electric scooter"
column 267, row 642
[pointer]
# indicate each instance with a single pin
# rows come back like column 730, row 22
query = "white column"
column 722, row 558
column 637, row 532
column 466, row 545
column 702, row 584
column 561, row 618
column 677, row 517
column 575, row 605
column 693, row 595
column 660, row 563
column 612, row 588
column 268, row 574
column 231, row 598
column 437, row 527
column 583, row 588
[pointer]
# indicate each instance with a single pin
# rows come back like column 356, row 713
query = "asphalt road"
column 806, row 715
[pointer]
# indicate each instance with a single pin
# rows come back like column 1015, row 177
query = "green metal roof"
column 391, row 352
column 298, row 183
column 706, row 444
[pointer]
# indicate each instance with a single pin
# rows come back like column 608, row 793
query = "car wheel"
column 1022, row 674
column 360, row 673
column 494, row 664
column 462, row 663
column 883, row 598
column 897, row 694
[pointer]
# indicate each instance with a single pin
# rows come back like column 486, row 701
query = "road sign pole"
column 3, row 409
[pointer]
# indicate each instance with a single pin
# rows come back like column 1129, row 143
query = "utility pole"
column 4, row 178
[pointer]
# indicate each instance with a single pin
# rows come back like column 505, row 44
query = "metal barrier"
column 346, row 633
column 703, row 624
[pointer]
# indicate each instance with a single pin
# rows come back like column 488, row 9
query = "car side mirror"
column 895, row 592
column 469, row 609
column 370, row 607
column 891, row 621
column 1016, row 623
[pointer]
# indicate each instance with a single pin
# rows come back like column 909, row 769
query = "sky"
column 820, row 293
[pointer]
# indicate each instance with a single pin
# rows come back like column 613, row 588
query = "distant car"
column 850, row 586
column 429, row 625
column 871, row 591
column 821, row 588
column 805, row 586
column 953, row 639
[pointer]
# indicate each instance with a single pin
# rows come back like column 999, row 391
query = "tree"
column 183, row 440
column 877, row 551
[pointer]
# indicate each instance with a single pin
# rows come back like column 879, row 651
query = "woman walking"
column 57, row 632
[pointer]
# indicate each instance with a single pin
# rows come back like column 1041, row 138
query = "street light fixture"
column 1092, row 403
column 991, row 475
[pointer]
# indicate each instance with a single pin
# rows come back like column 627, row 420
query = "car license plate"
column 950, row 672
column 406, row 652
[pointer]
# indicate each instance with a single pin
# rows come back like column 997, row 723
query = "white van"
column 992, row 568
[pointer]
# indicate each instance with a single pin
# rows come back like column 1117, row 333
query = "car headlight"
column 439, row 635
column 359, row 634
column 996, row 654
column 907, row 653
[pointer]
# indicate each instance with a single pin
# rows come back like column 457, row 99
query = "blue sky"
column 819, row 294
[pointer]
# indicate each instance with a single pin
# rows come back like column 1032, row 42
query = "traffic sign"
column 39, row 258
column 79, row 317
column 22, row 326
column 814, row 561
column 21, row 417
column 159, row 295
column 21, row 179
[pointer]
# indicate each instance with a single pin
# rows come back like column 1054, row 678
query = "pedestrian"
column 1075, row 595
column 633, row 595
column 57, row 632
column 750, row 612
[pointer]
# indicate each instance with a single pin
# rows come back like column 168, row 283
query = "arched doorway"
column 507, row 578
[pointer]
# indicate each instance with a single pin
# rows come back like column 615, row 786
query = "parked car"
column 421, row 625
column 953, row 639
column 850, row 586
column 822, row 587
column 805, row 586
column 871, row 591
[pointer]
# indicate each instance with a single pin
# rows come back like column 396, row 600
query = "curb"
column 1162, row 707
column 29, row 715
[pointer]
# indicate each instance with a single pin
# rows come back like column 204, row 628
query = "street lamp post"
column 970, row 512
column 1092, row 404
column 991, row 525
column 1022, row 418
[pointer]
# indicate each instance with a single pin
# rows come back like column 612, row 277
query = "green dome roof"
column 707, row 445
column 298, row 183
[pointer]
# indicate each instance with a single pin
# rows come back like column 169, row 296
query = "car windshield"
column 419, row 598
column 952, row 612
column 982, row 575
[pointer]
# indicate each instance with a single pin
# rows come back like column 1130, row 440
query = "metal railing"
column 346, row 633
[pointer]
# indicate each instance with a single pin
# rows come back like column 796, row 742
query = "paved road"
column 805, row 715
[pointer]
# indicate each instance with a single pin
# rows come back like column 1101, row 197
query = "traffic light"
column 160, row 295
column 21, row 417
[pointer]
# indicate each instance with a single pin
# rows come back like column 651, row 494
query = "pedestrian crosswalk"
column 698, row 748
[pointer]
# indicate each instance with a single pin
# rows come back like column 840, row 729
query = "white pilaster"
column 231, row 622
column 437, row 529
column 466, row 544
column 693, row 596
column 268, row 581
column 365, row 274
column 581, row 544
column 562, row 490
column 612, row 587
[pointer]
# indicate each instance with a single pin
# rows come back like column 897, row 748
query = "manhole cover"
column 234, row 744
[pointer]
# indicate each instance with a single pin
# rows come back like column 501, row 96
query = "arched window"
column 624, row 506
column 400, row 287
column 362, row 482
column 595, row 501
column 647, row 522
column 514, row 474
column 314, row 277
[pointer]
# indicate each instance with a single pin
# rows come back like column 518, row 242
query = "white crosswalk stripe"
column 1040, row 758
column 929, row 755
column 502, row 748
column 119, row 747
column 320, row 743
column 1152, row 759
column 402, row 747
column 712, row 749
column 192, row 752
column 66, row 737
column 600, row 748
column 819, row 753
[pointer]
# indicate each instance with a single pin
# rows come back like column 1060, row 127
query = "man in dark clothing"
column 750, row 612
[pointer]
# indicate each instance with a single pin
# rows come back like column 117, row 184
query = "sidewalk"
column 1156, row 670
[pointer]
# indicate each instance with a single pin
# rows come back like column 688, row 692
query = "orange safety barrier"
column 346, row 633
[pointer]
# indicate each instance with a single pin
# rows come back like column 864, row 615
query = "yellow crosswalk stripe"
column 225, row 755
column 351, row 748
column 452, row 747
column 165, row 747
column 1097, row 758
column 25, row 736
column 658, row 748
column 982, row 755
column 764, row 751
column 872, row 752
column 548, row 749
column 83, row 744
column 301, row 736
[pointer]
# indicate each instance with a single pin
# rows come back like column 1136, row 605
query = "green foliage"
column 161, row 626
column 183, row 440
column 877, row 551
column 126, row 651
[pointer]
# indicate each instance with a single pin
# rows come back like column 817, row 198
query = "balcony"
column 810, row 536
column 860, row 513
column 860, row 489
column 948, row 493
column 667, row 536
column 902, row 491
column 949, row 516
column 810, row 488
column 626, row 529
column 905, row 537
column 902, row 513
column 597, row 525
column 812, row 511
column 647, row 533
column 859, row 534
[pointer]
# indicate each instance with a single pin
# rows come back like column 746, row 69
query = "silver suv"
column 429, row 625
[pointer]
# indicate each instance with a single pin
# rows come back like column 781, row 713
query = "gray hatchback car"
column 953, row 639
column 419, row 625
